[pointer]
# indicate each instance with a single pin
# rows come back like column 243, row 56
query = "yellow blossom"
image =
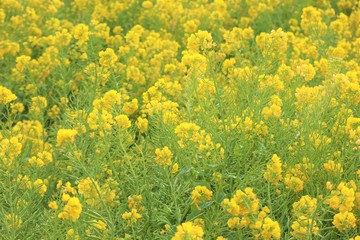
column 130, row 107
column 304, row 227
column 53, row 205
column 242, row 203
column 81, row 33
column 65, row 136
column 6, row 95
column 147, row 4
column 142, row 124
column 270, row 229
column 333, row 168
column 175, row 168
column 99, row 225
column 306, row 206
column 163, row 156
column 344, row 220
column 188, row 230
column 72, row 210
column 342, row 198
column 273, row 170
column 38, row 104
column 131, row 216
column 294, row 183
column 122, row 121
column 40, row 186
column 200, row 194
column 13, row 221
column 107, row 57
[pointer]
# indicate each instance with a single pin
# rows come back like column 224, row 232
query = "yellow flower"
column 6, row 95
column 99, row 224
column 108, row 101
column 306, row 70
column 302, row 226
column 37, row 105
column 40, row 186
column 235, row 222
column 147, row 4
column 342, row 198
column 305, row 206
column 270, row 229
column 100, row 119
column 70, row 235
column 242, row 203
column 311, row 21
column 130, row 107
column 131, row 216
column 329, row 185
column 135, row 202
column 142, row 124
column 22, row 62
column 355, row 238
column 9, row 149
column 63, row 37
column 65, row 136
column 90, row 189
column 191, row 25
column 122, row 121
column 13, row 221
column 24, row 182
column 200, row 194
column 294, row 183
column 72, row 210
column 65, row 197
column 273, row 170
column 188, row 230
column 41, row 159
column 163, row 156
column 199, row 41
column 81, row 33
column 206, row 89
column 344, row 220
column 53, row 205
column 107, row 58
column 17, row 108
column 175, row 168
column 333, row 168
column 221, row 238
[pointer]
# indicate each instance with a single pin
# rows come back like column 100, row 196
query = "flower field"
column 180, row 119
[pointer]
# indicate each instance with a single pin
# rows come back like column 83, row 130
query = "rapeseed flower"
column 107, row 58
column 163, row 156
column 306, row 206
column 200, row 194
column 72, row 209
column 273, row 172
column 122, row 121
column 304, row 227
column 65, row 136
column 13, row 221
column 132, row 216
column 188, row 230
column 6, row 96
column 81, row 33
column 344, row 220
column 142, row 124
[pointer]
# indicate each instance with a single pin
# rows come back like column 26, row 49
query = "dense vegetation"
column 180, row 119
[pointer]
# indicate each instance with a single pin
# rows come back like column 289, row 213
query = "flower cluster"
column 127, row 119
column 135, row 209
column 200, row 194
column 245, row 206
